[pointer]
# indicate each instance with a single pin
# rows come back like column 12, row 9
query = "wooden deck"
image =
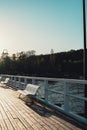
column 16, row 115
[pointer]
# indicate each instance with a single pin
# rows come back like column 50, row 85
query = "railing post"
column 19, row 80
column 25, row 81
column 46, row 90
column 11, row 80
column 66, row 98
column 15, row 82
column 33, row 81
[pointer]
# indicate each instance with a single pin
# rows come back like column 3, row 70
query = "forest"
column 59, row 65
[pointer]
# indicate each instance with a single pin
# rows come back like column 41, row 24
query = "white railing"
column 65, row 95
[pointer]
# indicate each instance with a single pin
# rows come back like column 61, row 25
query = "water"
column 56, row 95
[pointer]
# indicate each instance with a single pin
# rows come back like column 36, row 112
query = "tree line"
column 60, row 65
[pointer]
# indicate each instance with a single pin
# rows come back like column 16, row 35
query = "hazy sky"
column 40, row 25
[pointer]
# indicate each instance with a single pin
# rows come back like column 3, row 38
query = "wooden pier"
column 16, row 115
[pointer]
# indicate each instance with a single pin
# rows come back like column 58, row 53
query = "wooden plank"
column 2, row 123
column 32, row 120
column 5, row 124
column 14, row 114
column 35, row 122
column 12, row 119
column 48, row 124
column 29, row 119
column 42, row 120
column 64, row 123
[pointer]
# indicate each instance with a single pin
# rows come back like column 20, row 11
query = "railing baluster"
column 66, row 98
column 15, row 85
column 25, row 81
column 33, row 81
column 46, row 90
column 19, row 81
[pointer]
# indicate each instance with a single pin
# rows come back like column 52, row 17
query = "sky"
column 41, row 25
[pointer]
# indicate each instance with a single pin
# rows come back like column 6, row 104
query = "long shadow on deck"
column 47, row 112
column 41, row 110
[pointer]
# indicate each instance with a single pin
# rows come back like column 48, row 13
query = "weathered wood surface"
column 16, row 115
